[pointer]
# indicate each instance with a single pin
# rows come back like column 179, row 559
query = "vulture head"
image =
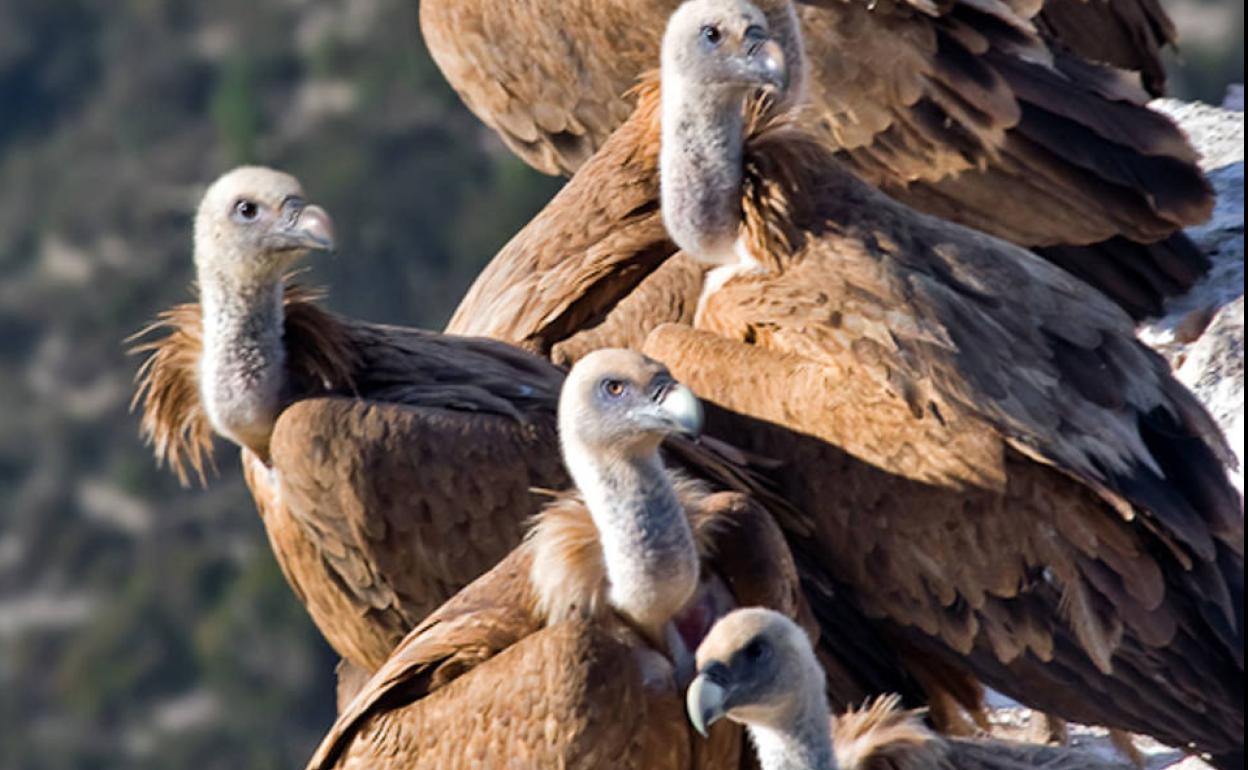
column 254, row 223
column 616, row 407
column 618, row 402
column 756, row 667
column 721, row 46
column 716, row 54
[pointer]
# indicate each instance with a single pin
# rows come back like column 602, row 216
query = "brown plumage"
column 1004, row 472
column 897, row 364
column 537, row 664
column 399, row 470
column 400, row 465
column 596, row 269
column 966, row 110
column 752, row 668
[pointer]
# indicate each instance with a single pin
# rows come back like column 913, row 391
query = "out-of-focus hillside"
column 143, row 625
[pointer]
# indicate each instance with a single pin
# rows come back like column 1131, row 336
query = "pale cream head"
column 254, row 222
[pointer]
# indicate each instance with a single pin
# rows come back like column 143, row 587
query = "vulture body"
column 390, row 466
column 1004, row 473
column 572, row 651
column 967, row 110
column 757, row 668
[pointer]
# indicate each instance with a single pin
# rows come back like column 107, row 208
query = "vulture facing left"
column 757, row 668
column 574, row 650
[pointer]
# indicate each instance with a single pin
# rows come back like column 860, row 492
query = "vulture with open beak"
column 994, row 464
column 757, row 668
column 574, row 650
column 964, row 109
column 390, row 466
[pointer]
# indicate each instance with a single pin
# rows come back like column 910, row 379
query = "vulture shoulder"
column 597, row 239
column 536, row 73
column 400, row 469
column 530, row 661
column 1021, row 483
column 967, row 110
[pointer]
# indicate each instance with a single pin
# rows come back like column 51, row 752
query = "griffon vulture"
column 390, row 466
column 964, row 109
column 572, row 652
column 757, row 668
column 994, row 463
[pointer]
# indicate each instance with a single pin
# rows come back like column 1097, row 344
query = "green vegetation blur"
column 143, row 625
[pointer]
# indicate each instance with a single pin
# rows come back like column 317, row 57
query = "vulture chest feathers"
column 518, row 644
column 1004, row 492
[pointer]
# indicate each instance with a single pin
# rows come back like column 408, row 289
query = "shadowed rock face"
column 1202, row 333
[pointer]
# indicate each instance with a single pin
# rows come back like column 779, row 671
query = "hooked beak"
column 765, row 61
column 309, row 228
column 681, row 410
column 704, row 701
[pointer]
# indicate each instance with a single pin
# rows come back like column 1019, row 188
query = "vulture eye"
column 246, row 210
column 711, row 34
column 756, row 650
column 614, row 388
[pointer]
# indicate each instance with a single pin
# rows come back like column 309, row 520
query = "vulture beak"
column 680, row 410
column 706, row 698
column 305, row 227
column 765, row 60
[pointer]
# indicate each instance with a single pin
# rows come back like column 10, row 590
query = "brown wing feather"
column 950, row 374
column 405, row 505
column 532, row 646
column 532, row 294
column 1130, row 34
column 399, row 472
column 962, row 109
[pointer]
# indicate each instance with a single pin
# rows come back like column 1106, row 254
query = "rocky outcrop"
column 1202, row 333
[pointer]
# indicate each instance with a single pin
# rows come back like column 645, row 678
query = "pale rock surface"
column 1202, row 333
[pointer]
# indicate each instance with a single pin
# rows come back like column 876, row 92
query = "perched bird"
column 573, row 651
column 757, row 668
column 994, row 464
column 967, row 110
column 390, row 466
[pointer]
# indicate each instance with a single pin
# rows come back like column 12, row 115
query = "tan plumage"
column 533, row 665
column 596, row 269
column 1004, row 472
column 759, row 691
column 401, row 464
column 399, row 470
column 396, row 465
column 966, row 110
column 897, row 364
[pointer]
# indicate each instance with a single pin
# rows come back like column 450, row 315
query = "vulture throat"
column 715, row 54
column 253, row 224
column 615, row 409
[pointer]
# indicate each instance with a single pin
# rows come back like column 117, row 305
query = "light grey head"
column 254, row 223
column 716, row 53
column 722, row 45
column 619, row 402
column 756, row 667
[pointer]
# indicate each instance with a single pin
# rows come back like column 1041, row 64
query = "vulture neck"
column 700, row 167
column 647, row 546
column 806, row 741
column 243, row 366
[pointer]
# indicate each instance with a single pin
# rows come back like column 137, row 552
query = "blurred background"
column 147, row 626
